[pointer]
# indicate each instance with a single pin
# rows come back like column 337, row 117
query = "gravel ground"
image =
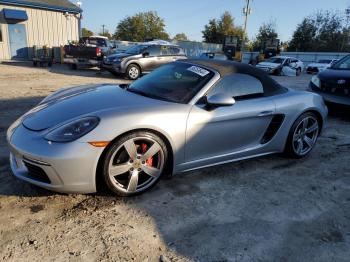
column 266, row 209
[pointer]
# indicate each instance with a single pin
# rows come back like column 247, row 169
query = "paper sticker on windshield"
column 198, row 70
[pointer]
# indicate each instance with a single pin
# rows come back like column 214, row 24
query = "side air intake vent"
column 272, row 129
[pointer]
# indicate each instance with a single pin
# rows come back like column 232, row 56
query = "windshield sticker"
column 199, row 71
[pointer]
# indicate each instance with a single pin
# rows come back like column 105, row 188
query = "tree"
column 216, row 30
column 140, row 27
column 86, row 32
column 181, row 37
column 267, row 32
column 324, row 31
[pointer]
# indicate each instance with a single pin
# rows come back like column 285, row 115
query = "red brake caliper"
column 144, row 148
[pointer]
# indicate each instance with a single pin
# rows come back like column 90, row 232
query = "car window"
column 238, row 86
column 175, row 82
column 153, row 50
column 164, row 50
column 96, row 42
column 342, row 64
column 175, row 50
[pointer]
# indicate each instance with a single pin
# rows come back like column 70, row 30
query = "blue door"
column 18, row 41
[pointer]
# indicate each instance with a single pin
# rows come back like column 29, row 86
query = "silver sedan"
column 184, row 116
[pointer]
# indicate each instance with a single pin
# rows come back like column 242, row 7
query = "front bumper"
column 114, row 67
column 329, row 97
column 61, row 167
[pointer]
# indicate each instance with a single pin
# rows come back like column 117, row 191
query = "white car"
column 282, row 65
column 320, row 66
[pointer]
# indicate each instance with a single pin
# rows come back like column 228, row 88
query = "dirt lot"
column 267, row 209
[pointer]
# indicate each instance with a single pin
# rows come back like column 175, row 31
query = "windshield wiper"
column 139, row 92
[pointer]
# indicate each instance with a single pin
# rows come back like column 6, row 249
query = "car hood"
column 268, row 64
column 334, row 74
column 119, row 55
column 68, row 104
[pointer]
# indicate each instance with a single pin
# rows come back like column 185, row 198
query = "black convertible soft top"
column 226, row 67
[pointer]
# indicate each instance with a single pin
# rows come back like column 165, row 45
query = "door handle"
column 266, row 113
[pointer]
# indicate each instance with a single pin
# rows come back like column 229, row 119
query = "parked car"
column 213, row 55
column 282, row 65
column 333, row 83
column 320, row 66
column 183, row 116
column 143, row 58
column 89, row 52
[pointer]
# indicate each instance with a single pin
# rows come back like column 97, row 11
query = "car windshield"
column 175, row 82
column 324, row 61
column 343, row 64
column 135, row 50
column 275, row 60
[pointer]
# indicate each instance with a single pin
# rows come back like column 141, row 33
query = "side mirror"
column 114, row 46
column 145, row 54
column 220, row 99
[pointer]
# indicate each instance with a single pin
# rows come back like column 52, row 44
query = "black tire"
column 289, row 148
column 131, row 72
column 115, row 149
column 74, row 66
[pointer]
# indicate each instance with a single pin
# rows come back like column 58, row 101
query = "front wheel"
column 135, row 163
column 133, row 72
column 303, row 135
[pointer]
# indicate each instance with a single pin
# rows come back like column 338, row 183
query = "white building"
column 28, row 23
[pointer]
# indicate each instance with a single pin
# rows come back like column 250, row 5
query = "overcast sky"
column 190, row 16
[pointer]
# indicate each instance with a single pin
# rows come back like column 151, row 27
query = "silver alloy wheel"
column 134, row 72
column 135, row 172
column 305, row 135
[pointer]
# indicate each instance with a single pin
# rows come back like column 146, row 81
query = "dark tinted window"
column 153, row 50
column 165, row 50
column 238, row 86
column 175, row 50
column 175, row 82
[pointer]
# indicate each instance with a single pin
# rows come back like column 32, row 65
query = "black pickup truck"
column 89, row 52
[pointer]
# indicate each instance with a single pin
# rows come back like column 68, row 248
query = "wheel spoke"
column 118, row 169
column 151, row 171
column 130, row 147
column 154, row 149
column 134, row 180
column 312, row 128
column 309, row 141
column 305, row 123
column 300, row 146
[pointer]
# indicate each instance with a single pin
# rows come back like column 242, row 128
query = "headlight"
column 316, row 81
column 73, row 130
column 117, row 59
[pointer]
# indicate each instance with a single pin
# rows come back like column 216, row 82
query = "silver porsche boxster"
column 183, row 116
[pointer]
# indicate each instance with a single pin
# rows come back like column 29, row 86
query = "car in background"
column 89, row 52
column 333, row 84
column 214, row 55
column 282, row 65
column 320, row 66
column 183, row 116
column 143, row 58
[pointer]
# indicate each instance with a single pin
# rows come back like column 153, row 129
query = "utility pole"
column 103, row 29
column 246, row 11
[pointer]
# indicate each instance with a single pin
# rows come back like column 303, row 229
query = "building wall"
column 44, row 27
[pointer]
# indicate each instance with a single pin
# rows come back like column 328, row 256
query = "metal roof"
column 56, row 5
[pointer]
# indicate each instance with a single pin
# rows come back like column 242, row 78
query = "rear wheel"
column 135, row 163
column 133, row 72
column 303, row 135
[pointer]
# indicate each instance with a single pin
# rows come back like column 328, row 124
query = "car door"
column 229, row 132
column 150, row 58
